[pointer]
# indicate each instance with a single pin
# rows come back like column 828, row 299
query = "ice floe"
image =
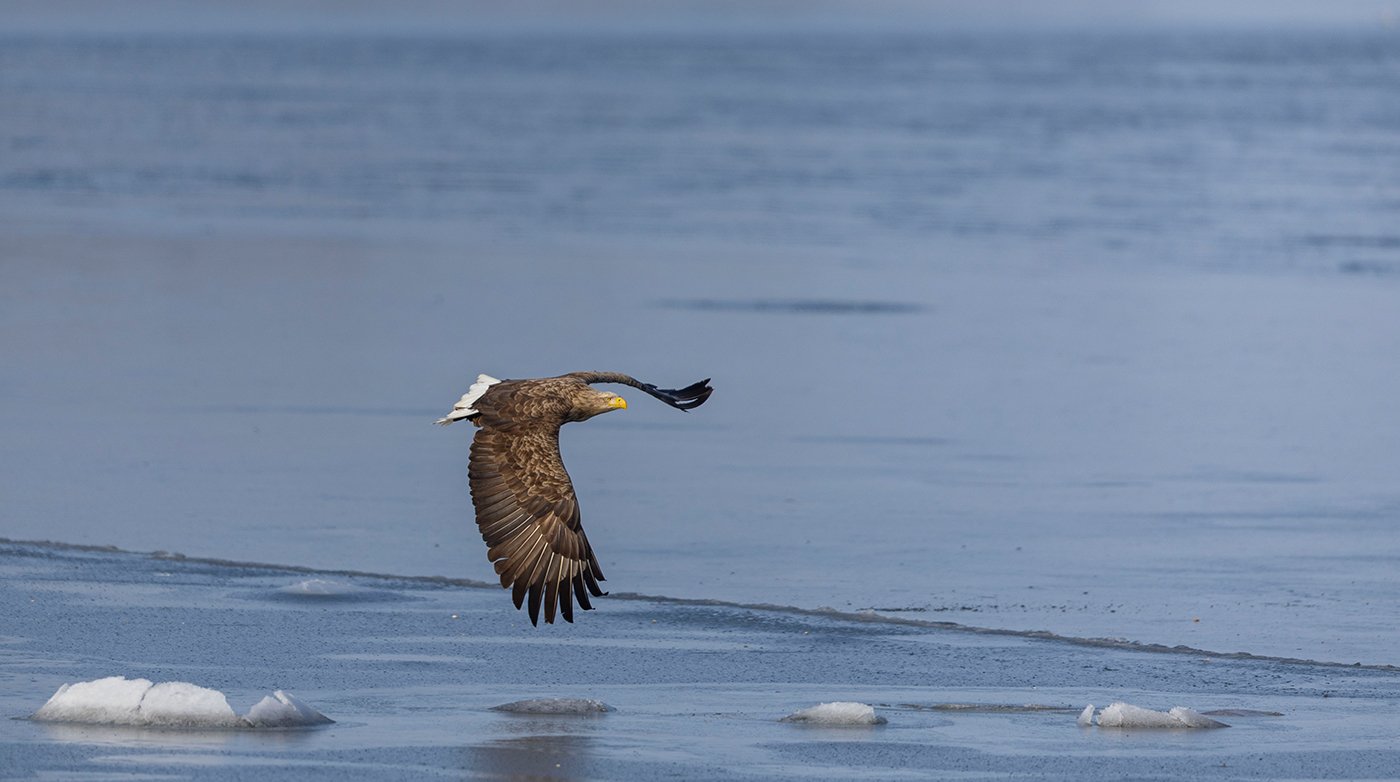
column 281, row 710
column 838, row 713
column 554, row 706
column 1126, row 715
column 117, row 700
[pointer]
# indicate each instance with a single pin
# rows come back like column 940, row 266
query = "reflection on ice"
column 554, row 757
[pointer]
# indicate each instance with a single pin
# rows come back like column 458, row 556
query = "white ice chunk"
column 281, row 710
column 1195, row 719
column 838, row 713
column 1086, row 717
column 113, row 701
column 554, row 706
column 117, row 700
column 1125, row 715
column 185, row 705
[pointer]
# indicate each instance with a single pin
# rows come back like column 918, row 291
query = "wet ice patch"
column 324, row 590
column 318, row 587
column 554, row 706
column 117, row 700
column 1126, row 715
column 837, row 713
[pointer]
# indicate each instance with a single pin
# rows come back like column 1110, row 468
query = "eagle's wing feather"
column 528, row 516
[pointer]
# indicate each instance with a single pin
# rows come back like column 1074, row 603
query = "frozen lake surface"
column 1171, row 458
column 697, row 691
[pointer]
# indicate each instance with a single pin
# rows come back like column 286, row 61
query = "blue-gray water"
column 1242, row 152
column 1089, row 334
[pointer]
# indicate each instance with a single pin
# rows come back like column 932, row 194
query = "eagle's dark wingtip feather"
column 688, row 398
column 535, row 595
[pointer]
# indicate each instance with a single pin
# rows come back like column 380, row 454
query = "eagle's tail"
column 463, row 409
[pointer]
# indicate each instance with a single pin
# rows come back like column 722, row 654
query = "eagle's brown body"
column 525, row 504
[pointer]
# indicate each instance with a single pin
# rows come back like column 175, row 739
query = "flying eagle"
column 525, row 505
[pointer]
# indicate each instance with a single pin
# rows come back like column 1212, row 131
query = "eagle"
column 525, row 504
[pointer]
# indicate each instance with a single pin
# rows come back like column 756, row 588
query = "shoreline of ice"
column 117, row 700
column 302, row 591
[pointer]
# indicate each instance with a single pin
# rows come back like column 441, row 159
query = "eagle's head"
column 596, row 403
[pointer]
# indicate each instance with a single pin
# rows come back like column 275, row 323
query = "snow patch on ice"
column 554, row 706
column 113, row 700
column 185, row 705
column 1126, row 715
column 281, row 710
column 837, row 713
column 117, row 700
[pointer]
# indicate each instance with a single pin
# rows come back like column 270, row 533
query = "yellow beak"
column 618, row 402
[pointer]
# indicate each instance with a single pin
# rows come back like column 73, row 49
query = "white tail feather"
column 463, row 408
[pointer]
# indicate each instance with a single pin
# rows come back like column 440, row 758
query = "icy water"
column 1096, row 336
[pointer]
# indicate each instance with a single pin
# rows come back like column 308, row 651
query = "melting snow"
column 554, row 706
column 1126, row 715
column 117, row 700
column 839, row 713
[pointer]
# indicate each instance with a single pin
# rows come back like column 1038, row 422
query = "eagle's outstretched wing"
column 686, row 398
column 528, row 516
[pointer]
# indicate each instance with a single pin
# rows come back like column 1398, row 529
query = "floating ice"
column 1086, row 717
column 838, row 713
column 1126, row 715
column 554, row 706
column 117, row 700
column 281, row 710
